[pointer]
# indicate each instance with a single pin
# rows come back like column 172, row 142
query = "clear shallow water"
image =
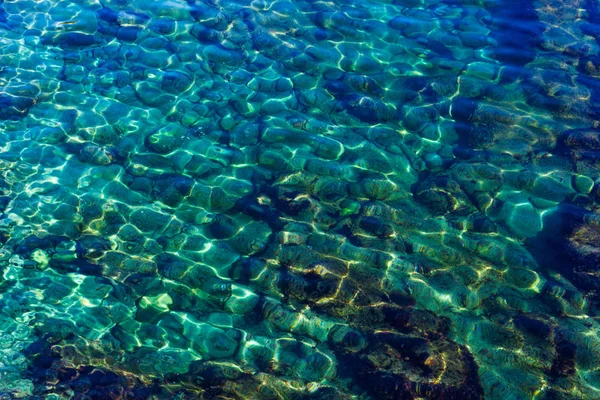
column 299, row 200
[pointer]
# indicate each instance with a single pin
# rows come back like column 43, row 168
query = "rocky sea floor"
column 355, row 199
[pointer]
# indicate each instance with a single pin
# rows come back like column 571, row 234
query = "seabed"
column 328, row 200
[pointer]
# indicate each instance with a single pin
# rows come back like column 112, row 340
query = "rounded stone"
column 190, row 118
column 432, row 160
column 227, row 123
column 524, row 220
column 583, row 184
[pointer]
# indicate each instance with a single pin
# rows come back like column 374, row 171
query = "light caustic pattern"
column 299, row 199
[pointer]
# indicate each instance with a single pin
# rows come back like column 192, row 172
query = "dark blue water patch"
column 75, row 40
column 517, row 31
column 593, row 16
column 108, row 15
column 3, row 14
column 588, row 77
column 556, row 247
column 14, row 107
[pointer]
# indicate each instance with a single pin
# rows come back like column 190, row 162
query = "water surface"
column 299, row 199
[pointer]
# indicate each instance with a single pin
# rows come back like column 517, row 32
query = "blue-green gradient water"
column 350, row 199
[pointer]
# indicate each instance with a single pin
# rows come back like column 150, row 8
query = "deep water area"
column 300, row 199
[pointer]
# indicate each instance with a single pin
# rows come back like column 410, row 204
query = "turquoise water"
column 356, row 199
